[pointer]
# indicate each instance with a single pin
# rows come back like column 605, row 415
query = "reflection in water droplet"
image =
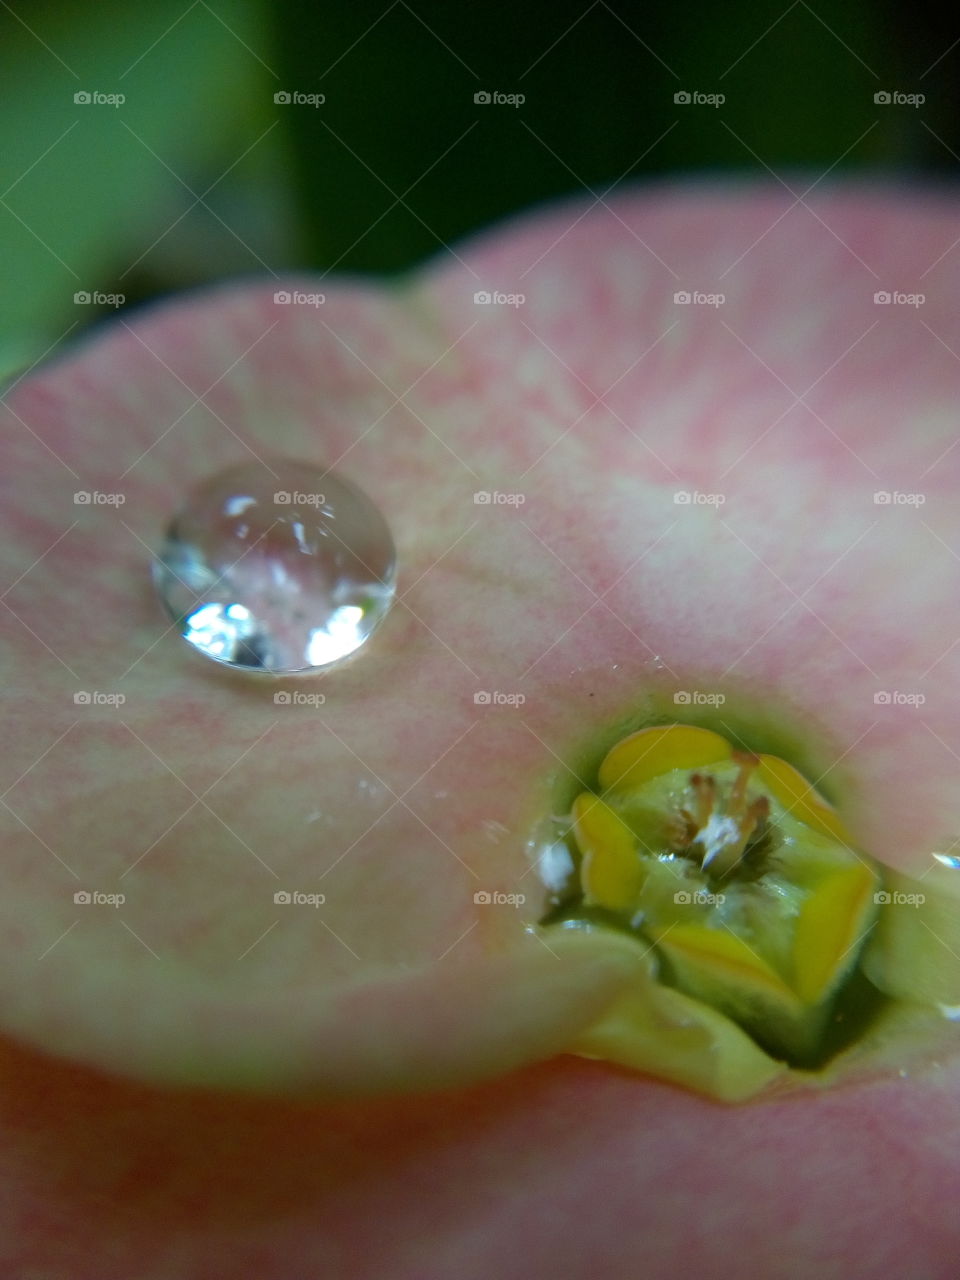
column 278, row 570
column 948, row 860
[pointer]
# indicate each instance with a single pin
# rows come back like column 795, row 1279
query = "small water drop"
column 279, row 570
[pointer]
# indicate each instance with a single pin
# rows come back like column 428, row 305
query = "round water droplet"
column 277, row 570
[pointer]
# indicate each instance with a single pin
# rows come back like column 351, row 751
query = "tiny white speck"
column 556, row 866
column 719, row 832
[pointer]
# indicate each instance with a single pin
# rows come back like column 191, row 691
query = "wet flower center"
column 721, row 830
column 737, row 878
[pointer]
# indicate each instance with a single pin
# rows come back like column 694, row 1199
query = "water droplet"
column 279, row 570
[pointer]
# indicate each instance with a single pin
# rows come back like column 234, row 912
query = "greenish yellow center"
column 736, row 875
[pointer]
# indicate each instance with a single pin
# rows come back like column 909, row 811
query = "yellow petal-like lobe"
column 664, row 1033
column 612, row 873
column 829, row 926
column 914, row 952
column 651, row 752
column 717, row 959
column 803, row 801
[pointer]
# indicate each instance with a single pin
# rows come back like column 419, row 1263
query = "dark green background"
column 400, row 161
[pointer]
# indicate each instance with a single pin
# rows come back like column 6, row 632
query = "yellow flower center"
column 738, row 878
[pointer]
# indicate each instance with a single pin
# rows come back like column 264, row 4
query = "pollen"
column 721, row 831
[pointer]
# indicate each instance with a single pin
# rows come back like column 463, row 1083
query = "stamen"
column 738, row 792
column 722, row 836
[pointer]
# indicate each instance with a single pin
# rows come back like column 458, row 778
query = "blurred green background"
column 253, row 138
